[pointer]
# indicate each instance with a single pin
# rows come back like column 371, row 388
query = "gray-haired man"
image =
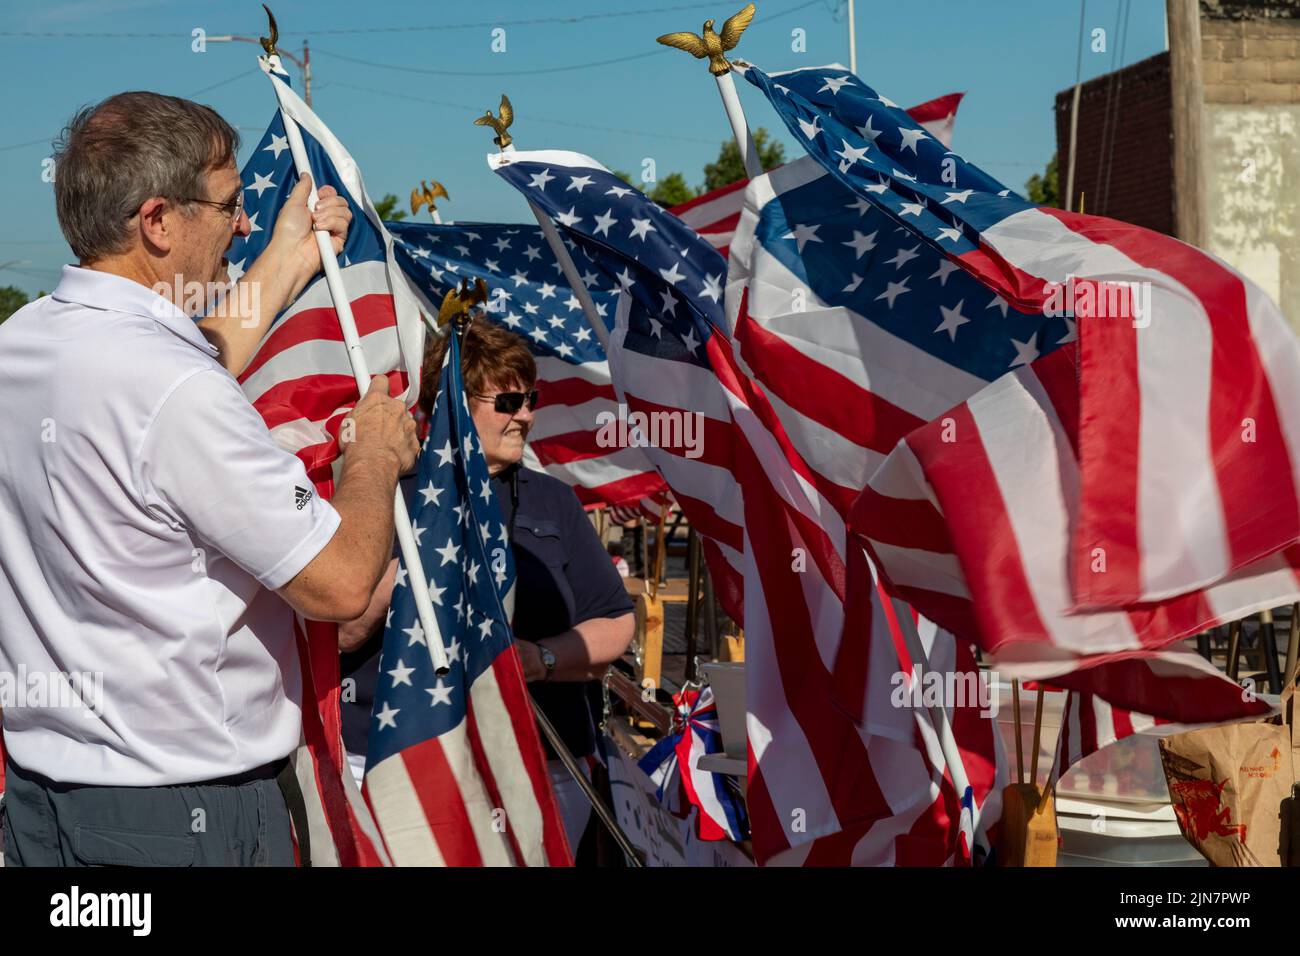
column 151, row 532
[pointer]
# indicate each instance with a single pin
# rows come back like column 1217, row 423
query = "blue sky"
column 1009, row 56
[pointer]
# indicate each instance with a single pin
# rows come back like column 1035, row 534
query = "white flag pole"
column 853, row 43
column 416, row 578
column 739, row 127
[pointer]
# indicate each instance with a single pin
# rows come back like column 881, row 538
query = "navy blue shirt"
column 563, row 576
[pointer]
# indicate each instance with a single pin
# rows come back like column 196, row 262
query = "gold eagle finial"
column 426, row 194
column 457, row 303
column 499, row 123
column 268, row 43
column 710, row 44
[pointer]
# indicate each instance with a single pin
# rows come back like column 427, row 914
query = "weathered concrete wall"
column 1252, row 196
column 1250, row 55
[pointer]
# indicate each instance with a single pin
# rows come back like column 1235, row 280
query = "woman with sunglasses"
column 572, row 616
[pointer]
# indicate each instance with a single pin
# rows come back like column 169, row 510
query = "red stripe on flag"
column 565, row 448
column 960, row 471
column 819, row 391
column 623, row 491
column 681, row 210
column 765, row 824
column 373, row 313
column 833, row 739
column 433, row 782
column 938, row 108
column 316, row 396
column 905, row 522
column 1106, row 546
column 572, row 391
column 728, row 584
column 322, row 729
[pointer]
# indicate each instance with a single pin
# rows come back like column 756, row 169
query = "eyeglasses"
column 507, row 403
column 232, row 208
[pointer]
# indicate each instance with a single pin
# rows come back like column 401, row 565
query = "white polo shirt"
column 146, row 517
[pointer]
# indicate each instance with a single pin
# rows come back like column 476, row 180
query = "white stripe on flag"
column 323, row 850
column 523, row 814
column 400, row 815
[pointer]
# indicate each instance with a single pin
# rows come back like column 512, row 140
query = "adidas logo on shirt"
column 301, row 496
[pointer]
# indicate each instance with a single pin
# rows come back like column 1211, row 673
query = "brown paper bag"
column 1227, row 785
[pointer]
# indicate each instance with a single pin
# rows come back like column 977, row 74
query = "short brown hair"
column 113, row 156
column 489, row 356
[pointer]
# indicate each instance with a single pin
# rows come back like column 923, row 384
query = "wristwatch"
column 548, row 659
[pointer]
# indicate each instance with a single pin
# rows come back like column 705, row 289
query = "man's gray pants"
column 236, row 821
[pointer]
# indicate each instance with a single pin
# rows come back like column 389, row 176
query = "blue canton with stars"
column 527, row 290
column 463, row 544
column 269, row 177
column 918, row 203
column 674, row 279
column 853, row 255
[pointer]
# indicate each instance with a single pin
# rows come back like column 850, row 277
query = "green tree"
column 386, row 206
column 672, row 190
column 12, row 299
column 1045, row 189
column 728, row 168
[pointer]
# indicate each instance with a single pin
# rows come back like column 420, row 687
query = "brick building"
column 1124, row 144
column 1250, row 63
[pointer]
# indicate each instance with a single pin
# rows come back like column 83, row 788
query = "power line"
column 339, row 31
column 242, row 74
column 538, row 119
column 207, row 89
column 50, row 35
column 425, row 71
column 31, row 273
column 536, row 21
column 406, row 69
column 32, row 142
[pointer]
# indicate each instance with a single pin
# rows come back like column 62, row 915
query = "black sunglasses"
column 507, row 403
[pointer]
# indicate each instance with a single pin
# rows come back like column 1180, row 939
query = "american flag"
column 861, row 797
column 455, row 772
column 1184, row 376
column 573, row 373
column 529, row 295
column 1089, row 722
column 301, row 383
column 715, row 214
column 999, row 474
column 673, row 765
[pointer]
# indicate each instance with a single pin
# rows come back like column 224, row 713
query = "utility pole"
column 1183, row 20
column 306, row 73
